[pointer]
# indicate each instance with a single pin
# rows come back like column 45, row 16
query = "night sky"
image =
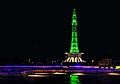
column 42, row 30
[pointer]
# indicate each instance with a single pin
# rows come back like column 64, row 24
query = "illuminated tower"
column 74, row 41
column 74, row 55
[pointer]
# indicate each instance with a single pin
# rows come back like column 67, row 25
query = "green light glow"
column 74, row 79
column 74, row 41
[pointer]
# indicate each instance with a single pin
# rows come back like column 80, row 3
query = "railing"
column 24, row 70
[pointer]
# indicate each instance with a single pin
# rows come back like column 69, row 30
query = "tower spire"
column 74, row 39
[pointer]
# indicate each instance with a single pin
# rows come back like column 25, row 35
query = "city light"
column 113, row 74
column 38, row 75
column 58, row 73
column 42, row 73
column 78, row 74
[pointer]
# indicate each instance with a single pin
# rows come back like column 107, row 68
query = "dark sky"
column 42, row 29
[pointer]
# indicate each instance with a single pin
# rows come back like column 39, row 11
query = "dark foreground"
column 63, row 79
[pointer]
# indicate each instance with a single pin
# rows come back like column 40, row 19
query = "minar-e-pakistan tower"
column 74, row 55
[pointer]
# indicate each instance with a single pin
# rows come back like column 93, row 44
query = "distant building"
column 105, row 63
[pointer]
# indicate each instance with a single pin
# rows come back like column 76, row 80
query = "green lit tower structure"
column 74, row 54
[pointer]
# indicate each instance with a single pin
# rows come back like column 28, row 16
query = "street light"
column 66, row 53
column 81, row 53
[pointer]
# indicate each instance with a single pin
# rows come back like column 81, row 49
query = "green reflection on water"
column 74, row 79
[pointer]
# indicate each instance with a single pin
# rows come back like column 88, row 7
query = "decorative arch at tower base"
column 74, row 58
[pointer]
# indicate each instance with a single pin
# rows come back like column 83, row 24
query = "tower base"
column 74, row 58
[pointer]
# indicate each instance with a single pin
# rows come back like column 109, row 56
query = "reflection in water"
column 78, row 74
column 58, row 73
column 113, row 74
column 42, row 73
column 38, row 75
column 74, row 79
column 63, row 78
